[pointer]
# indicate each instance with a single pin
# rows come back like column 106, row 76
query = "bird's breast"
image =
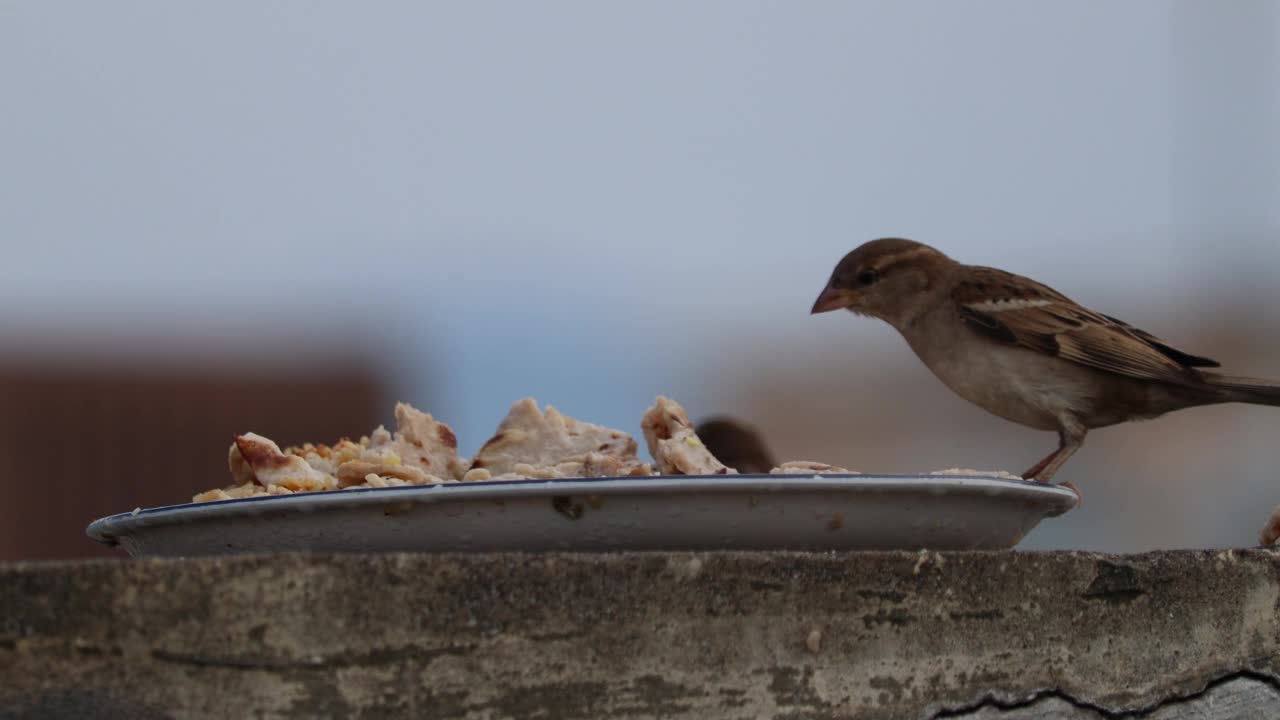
column 1014, row 383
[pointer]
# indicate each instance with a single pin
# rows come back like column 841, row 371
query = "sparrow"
column 1024, row 351
column 736, row 445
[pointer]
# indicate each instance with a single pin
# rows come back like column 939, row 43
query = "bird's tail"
column 1245, row 389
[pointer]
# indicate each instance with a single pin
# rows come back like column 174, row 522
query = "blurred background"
column 283, row 217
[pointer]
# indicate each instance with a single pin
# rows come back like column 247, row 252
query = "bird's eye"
column 868, row 277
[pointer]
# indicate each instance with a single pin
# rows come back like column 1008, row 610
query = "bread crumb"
column 1271, row 531
column 806, row 467
column 673, row 443
column 814, row 641
column 965, row 472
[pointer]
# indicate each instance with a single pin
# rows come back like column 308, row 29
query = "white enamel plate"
column 721, row 512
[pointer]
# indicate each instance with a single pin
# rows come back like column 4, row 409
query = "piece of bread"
column 673, row 443
column 592, row 465
column 421, row 451
column 427, row 443
column 533, row 444
column 271, row 467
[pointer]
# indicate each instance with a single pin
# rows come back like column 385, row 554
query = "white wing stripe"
column 996, row 306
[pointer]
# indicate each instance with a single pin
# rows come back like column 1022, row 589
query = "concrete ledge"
column 867, row 635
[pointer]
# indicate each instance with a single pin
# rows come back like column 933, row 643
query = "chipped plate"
column 721, row 512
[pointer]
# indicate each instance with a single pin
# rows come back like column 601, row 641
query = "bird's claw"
column 1072, row 488
column 1068, row 485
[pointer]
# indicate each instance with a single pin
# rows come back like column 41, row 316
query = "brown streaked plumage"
column 1024, row 351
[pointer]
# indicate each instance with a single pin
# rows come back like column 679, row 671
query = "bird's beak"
column 831, row 299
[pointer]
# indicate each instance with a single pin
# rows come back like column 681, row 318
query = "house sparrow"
column 1023, row 351
column 736, row 445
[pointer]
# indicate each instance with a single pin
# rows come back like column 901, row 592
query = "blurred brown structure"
column 79, row 442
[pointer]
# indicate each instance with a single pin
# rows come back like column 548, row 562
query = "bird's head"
column 892, row 279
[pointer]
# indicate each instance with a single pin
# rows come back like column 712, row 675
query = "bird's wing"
column 1019, row 311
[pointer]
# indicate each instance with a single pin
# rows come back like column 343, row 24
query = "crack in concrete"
column 990, row 701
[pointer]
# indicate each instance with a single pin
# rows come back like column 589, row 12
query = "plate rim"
column 108, row 529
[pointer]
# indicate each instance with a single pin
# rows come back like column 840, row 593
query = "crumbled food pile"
column 529, row 444
column 673, row 443
column 422, row 451
column 532, row 444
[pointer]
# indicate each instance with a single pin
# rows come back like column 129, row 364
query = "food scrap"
column 532, row 444
column 806, row 467
column 421, row 451
column 1271, row 531
column 529, row 443
column 673, row 443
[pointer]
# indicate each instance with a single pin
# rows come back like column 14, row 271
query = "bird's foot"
column 1034, row 471
column 1072, row 488
column 1031, row 475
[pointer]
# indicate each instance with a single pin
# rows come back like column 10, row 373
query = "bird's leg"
column 1038, row 468
column 1070, row 439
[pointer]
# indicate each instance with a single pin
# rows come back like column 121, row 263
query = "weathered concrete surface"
column 735, row 635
